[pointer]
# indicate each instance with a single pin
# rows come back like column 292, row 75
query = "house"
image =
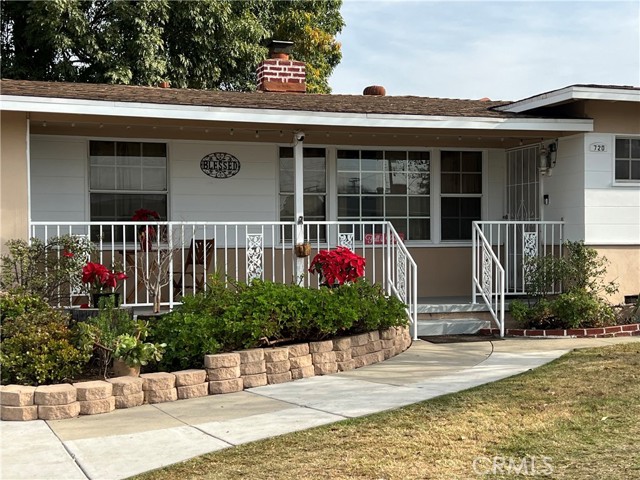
column 561, row 165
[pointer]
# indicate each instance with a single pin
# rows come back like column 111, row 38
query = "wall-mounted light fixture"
column 547, row 159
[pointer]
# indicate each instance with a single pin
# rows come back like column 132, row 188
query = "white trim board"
column 285, row 117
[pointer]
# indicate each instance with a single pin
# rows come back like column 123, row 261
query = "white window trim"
column 87, row 176
column 617, row 182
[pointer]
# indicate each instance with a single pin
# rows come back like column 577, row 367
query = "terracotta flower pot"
column 121, row 369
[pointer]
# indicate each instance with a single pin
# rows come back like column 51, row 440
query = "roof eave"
column 569, row 94
column 283, row 117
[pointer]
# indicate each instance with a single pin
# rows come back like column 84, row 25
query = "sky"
column 504, row 50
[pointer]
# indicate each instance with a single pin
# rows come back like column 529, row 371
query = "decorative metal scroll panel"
column 401, row 275
column 487, row 272
column 346, row 240
column 530, row 244
column 255, row 256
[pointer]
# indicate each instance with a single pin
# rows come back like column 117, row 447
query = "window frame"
column 619, row 182
column 91, row 190
column 388, row 148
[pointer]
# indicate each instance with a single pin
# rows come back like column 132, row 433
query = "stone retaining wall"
column 601, row 332
column 223, row 373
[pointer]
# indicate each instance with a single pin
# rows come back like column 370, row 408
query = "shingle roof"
column 401, row 105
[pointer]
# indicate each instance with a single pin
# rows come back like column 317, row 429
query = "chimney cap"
column 280, row 46
column 375, row 90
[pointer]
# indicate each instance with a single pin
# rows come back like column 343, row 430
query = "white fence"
column 178, row 257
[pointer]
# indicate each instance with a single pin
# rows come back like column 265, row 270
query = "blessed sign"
column 220, row 165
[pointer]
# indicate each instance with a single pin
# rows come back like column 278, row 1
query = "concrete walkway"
column 128, row 442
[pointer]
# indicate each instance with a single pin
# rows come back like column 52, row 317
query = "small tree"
column 50, row 270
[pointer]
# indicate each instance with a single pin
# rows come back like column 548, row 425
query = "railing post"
column 298, row 197
column 170, row 246
column 474, row 265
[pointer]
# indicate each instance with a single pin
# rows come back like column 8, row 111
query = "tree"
column 211, row 44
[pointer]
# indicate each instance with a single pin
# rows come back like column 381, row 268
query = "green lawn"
column 581, row 412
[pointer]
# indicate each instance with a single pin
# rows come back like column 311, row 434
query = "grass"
column 581, row 411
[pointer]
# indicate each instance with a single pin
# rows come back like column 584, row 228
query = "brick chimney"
column 278, row 73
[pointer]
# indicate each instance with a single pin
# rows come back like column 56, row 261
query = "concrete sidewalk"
column 128, row 442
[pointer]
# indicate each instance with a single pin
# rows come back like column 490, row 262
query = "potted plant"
column 337, row 267
column 147, row 234
column 132, row 352
column 102, row 282
column 303, row 250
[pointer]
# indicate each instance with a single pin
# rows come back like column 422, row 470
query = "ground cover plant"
column 579, row 412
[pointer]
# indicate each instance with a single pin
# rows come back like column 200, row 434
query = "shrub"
column 579, row 308
column 37, row 345
column 45, row 269
column 248, row 316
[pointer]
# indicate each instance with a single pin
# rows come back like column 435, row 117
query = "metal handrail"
column 496, row 274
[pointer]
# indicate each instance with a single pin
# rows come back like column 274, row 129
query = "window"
column 314, row 182
column 627, row 159
column 126, row 176
column 386, row 185
column 461, row 193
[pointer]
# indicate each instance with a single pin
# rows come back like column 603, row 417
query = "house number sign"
column 220, row 165
column 598, row 147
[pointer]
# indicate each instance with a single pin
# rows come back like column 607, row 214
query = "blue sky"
column 504, row 50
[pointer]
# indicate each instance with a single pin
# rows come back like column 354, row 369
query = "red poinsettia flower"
column 66, row 253
column 100, row 277
column 143, row 214
column 337, row 266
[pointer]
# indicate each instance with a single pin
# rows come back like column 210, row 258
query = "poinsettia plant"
column 146, row 233
column 99, row 278
column 337, row 267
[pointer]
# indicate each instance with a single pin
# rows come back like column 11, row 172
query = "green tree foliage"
column 210, row 44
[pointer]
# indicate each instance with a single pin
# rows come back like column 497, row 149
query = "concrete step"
column 449, row 326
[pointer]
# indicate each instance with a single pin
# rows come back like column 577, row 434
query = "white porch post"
column 298, row 195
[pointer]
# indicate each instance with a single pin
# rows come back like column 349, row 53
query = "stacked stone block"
column 277, row 365
column 159, row 387
column 95, row 397
column 56, row 401
column 127, row 391
column 191, row 383
column 387, row 339
column 324, row 358
column 301, row 361
column 223, row 373
column 344, row 358
column 402, row 340
column 253, row 368
column 16, row 403
column 366, row 349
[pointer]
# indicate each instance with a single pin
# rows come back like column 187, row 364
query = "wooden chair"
column 195, row 265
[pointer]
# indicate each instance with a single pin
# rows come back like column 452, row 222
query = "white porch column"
column 298, row 195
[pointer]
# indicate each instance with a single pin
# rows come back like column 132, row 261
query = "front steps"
column 453, row 316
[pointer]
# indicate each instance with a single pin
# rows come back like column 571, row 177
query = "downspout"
column 298, row 202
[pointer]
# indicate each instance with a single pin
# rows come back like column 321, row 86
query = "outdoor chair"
column 197, row 264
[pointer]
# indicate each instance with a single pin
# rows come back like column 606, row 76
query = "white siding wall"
column 497, row 179
column 565, row 188
column 58, row 178
column 251, row 195
column 612, row 212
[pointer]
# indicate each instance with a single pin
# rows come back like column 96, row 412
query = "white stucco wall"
column 251, row 195
column 59, row 189
column 497, row 179
column 612, row 211
column 565, row 188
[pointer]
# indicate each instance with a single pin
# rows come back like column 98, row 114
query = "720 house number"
column 598, row 147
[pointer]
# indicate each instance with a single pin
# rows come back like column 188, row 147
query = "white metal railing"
column 182, row 255
column 488, row 276
column 513, row 242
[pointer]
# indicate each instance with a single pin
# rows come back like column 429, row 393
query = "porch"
column 175, row 259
